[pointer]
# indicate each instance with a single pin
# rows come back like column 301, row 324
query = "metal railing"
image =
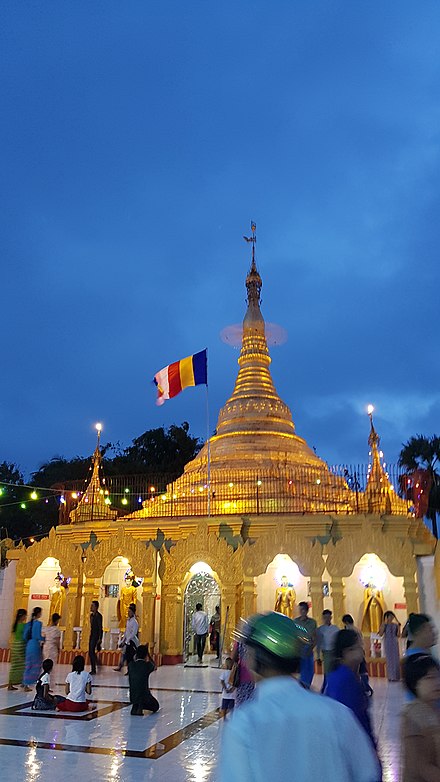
column 338, row 489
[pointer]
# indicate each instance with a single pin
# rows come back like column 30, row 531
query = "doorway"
column 201, row 588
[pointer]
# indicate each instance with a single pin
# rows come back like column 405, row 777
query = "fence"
column 338, row 489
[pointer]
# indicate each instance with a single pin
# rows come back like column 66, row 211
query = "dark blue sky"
column 139, row 139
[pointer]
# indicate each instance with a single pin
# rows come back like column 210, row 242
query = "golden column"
column 72, row 599
column 148, row 611
column 316, row 597
column 411, row 593
column 229, row 601
column 90, row 592
column 248, row 597
column 338, row 598
column 171, row 624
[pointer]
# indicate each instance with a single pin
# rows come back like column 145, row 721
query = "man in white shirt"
column 325, row 643
column 274, row 735
column 130, row 639
column 199, row 626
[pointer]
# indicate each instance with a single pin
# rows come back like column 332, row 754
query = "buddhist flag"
column 190, row 371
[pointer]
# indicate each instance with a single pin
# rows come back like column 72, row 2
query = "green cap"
column 276, row 633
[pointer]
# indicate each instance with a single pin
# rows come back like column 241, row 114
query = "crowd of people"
column 34, row 652
column 267, row 683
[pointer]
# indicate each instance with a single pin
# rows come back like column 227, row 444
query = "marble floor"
column 180, row 742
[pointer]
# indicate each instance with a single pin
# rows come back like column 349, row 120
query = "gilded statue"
column 285, row 597
column 373, row 611
column 127, row 596
column 57, row 596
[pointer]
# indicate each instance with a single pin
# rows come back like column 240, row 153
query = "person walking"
column 52, row 643
column 423, row 634
column 348, row 622
column 199, row 625
column 390, row 631
column 343, row 681
column 274, row 735
column 245, row 685
column 95, row 639
column 130, row 639
column 420, row 726
column 18, row 648
column 325, row 641
column 228, row 689
column 139, row 671
column 307, row 667
column 34, row 641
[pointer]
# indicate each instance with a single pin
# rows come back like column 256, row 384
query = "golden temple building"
column 255, row 510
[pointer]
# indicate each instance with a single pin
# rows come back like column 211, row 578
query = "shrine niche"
column 282, row 550
column 394, row 564
column 118, row 571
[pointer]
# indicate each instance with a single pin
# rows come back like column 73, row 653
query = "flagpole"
column 208, row 441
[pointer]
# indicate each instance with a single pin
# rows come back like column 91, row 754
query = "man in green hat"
column 279, row 734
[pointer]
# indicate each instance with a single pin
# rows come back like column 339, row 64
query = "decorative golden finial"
column 253, row 279
column 373, row 437
column 252, row 239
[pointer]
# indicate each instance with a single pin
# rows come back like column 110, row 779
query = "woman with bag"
column 241, row 677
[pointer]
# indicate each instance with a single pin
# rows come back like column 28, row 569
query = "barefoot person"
column 34, row 642
column 18, row 647
column 139, row 671
column 78, row 685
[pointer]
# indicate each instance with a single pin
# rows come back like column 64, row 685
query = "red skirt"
column 67, row 705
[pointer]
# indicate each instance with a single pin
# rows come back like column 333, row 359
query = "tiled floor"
column 180, row 742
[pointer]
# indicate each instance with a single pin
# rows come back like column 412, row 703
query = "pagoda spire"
column 379, row 496
column 93, row 505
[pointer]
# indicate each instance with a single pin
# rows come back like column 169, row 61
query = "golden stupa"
column 255, row 462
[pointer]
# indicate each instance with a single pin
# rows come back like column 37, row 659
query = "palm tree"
column 423, row 453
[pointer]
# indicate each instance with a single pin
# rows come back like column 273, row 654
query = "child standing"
column 228, row 689
column 139, row 671
column 421, row 720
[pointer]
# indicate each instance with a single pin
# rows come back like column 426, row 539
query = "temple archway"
column 48, row 590
column 282, row 582
column 372, row 589
column 202, row 586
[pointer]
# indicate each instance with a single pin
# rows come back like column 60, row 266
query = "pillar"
column 338, row 598
column 171, row 624
column 411, row 594
column 248, row 597
column 229, row 600
column 148, row 612
column 72, row 598
column 316, row 597
column 20, row 598
column 90, row 592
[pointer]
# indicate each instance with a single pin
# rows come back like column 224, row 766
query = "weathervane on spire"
column 252, row 239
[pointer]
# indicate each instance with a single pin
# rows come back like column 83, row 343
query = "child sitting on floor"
column 78, row 683
column 43, row 700
column 228, row 689
column 139, row 671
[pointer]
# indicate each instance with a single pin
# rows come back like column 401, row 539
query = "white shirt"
column 77, row 682
column 199, row 623
column 131, row 631
column 228, row 691
column 326, row 638
column 289, row 733
column 45, row 679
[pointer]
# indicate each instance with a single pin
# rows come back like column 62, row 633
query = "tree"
column 422, row 454
column 157, row 451
column 17, row 510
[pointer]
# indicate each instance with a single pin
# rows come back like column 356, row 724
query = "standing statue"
column 374, row 607
column 57, row 596
column 128, row 595
column 285, row 597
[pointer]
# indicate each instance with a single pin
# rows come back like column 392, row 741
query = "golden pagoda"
column 94, row 504
column 380, row 495
column 255, row 462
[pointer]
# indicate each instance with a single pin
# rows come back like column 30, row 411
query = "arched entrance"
column 282, row 574
column 202, row 588
column 48, row 590
column 120, row 586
